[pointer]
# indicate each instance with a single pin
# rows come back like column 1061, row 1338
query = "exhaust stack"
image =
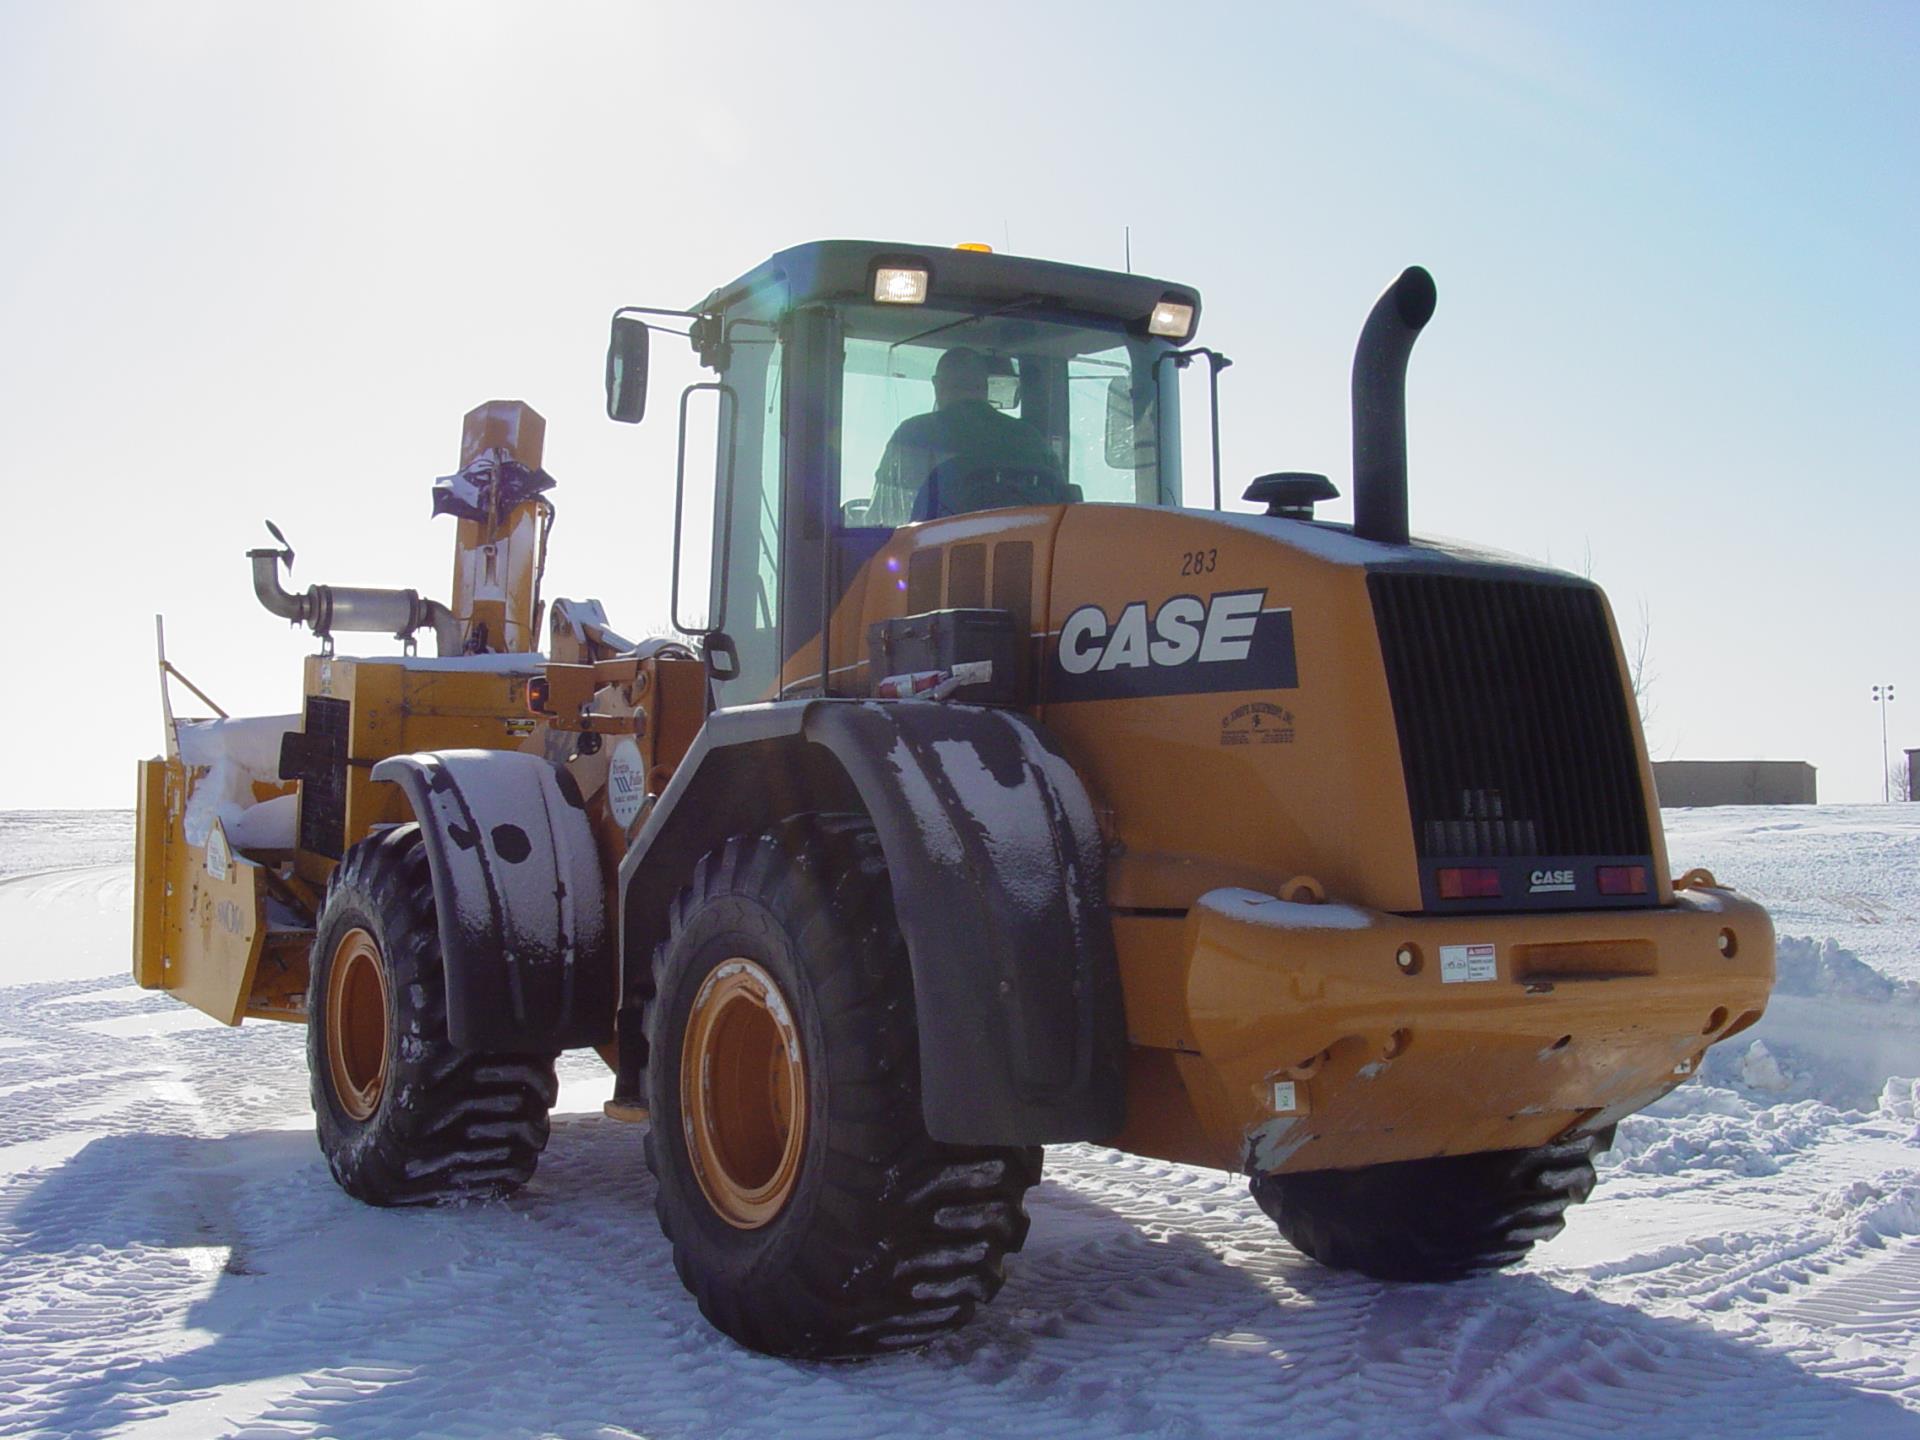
column 324, row 609
column 1380, row 406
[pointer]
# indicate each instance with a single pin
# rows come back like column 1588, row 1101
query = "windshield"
column 944, row 413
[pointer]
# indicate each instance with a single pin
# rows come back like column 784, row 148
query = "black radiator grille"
column 322, row 773
column 1513, row 725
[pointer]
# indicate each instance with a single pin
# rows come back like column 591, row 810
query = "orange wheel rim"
column 743, row 1094
column 357, row 1023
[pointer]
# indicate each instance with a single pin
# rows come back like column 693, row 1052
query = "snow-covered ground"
column 175, row 1261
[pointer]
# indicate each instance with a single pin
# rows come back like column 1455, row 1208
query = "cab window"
column 945, row 414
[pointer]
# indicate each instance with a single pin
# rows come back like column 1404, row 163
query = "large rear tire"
column 404, row 1118
column 1440, row 1219
column 810, row 1213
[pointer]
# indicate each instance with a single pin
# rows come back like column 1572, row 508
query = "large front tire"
column 810, row 1213
column 404, row 1118
column 1439, row 1219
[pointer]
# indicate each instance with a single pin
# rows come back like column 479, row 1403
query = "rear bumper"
column 1333, row 1037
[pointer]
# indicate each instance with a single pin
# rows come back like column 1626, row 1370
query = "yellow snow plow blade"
column 200, row 909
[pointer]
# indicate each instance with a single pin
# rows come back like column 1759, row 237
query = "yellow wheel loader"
column 994, row 798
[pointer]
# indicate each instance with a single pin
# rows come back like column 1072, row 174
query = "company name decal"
column 1185, row 646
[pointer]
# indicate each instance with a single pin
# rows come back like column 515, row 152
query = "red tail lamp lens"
column 1475, row 884
column 537, row 695
column 1622, row 879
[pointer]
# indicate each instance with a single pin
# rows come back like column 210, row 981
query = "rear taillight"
column 1475, row 883
column 1622, row 879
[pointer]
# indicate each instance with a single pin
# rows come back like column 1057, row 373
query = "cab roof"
column 843, row 270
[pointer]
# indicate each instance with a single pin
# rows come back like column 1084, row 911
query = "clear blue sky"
column 256, row 260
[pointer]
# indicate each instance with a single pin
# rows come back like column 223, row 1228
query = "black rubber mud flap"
column 517, row 881
column 999, row 886
column 999, row 882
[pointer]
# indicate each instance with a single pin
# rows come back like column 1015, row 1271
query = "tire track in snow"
column 108, row 1246
column 1877, row 1301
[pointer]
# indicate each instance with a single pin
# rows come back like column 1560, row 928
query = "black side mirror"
column 627, row 370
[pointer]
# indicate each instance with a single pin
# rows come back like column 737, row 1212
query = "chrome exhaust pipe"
column 268, row 590
column 325, row 609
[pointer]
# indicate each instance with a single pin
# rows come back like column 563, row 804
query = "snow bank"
column 1900, row 1102
column 1851, row 872
column 1887, row 1207
column 1734, row 1139
column 1822, row 967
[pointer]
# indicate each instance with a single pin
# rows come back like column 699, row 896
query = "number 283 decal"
column 1199, row 562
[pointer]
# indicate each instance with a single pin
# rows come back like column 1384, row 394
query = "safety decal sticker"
column 626, row 783
column 1257, row 723
column 1463, row 963
column 219, row 852
column 1232, row 640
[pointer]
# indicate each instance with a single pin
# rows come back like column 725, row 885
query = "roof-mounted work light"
column 899, row 285
column 1172, row 319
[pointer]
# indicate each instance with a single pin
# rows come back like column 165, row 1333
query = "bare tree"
column 1639, row 674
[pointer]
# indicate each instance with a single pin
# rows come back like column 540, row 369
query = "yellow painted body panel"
column 400, row 705
column 198, row 929
column 1454, row 1055
column 153, row 833
column 244, row 965
column 497, row 563
column 1197, row 806
column 221, row 930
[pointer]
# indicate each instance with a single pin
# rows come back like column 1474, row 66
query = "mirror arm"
column 655, row 310
column 1216, row 362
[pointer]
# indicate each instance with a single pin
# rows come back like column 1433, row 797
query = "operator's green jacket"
column 973, row 434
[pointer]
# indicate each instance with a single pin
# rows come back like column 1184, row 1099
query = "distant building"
column 1736, row 782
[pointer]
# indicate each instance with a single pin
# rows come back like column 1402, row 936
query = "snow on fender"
column 521, row 898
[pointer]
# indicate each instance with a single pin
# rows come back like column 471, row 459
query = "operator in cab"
column 963, row 454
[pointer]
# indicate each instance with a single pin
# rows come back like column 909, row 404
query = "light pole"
column 1883, row 696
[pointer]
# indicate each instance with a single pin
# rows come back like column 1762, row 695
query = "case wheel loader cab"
column 848, row 412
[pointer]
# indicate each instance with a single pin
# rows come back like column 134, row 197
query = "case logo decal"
column 1187, row 646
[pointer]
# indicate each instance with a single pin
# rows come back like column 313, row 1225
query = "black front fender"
column 517, row 880
column 999, row 887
